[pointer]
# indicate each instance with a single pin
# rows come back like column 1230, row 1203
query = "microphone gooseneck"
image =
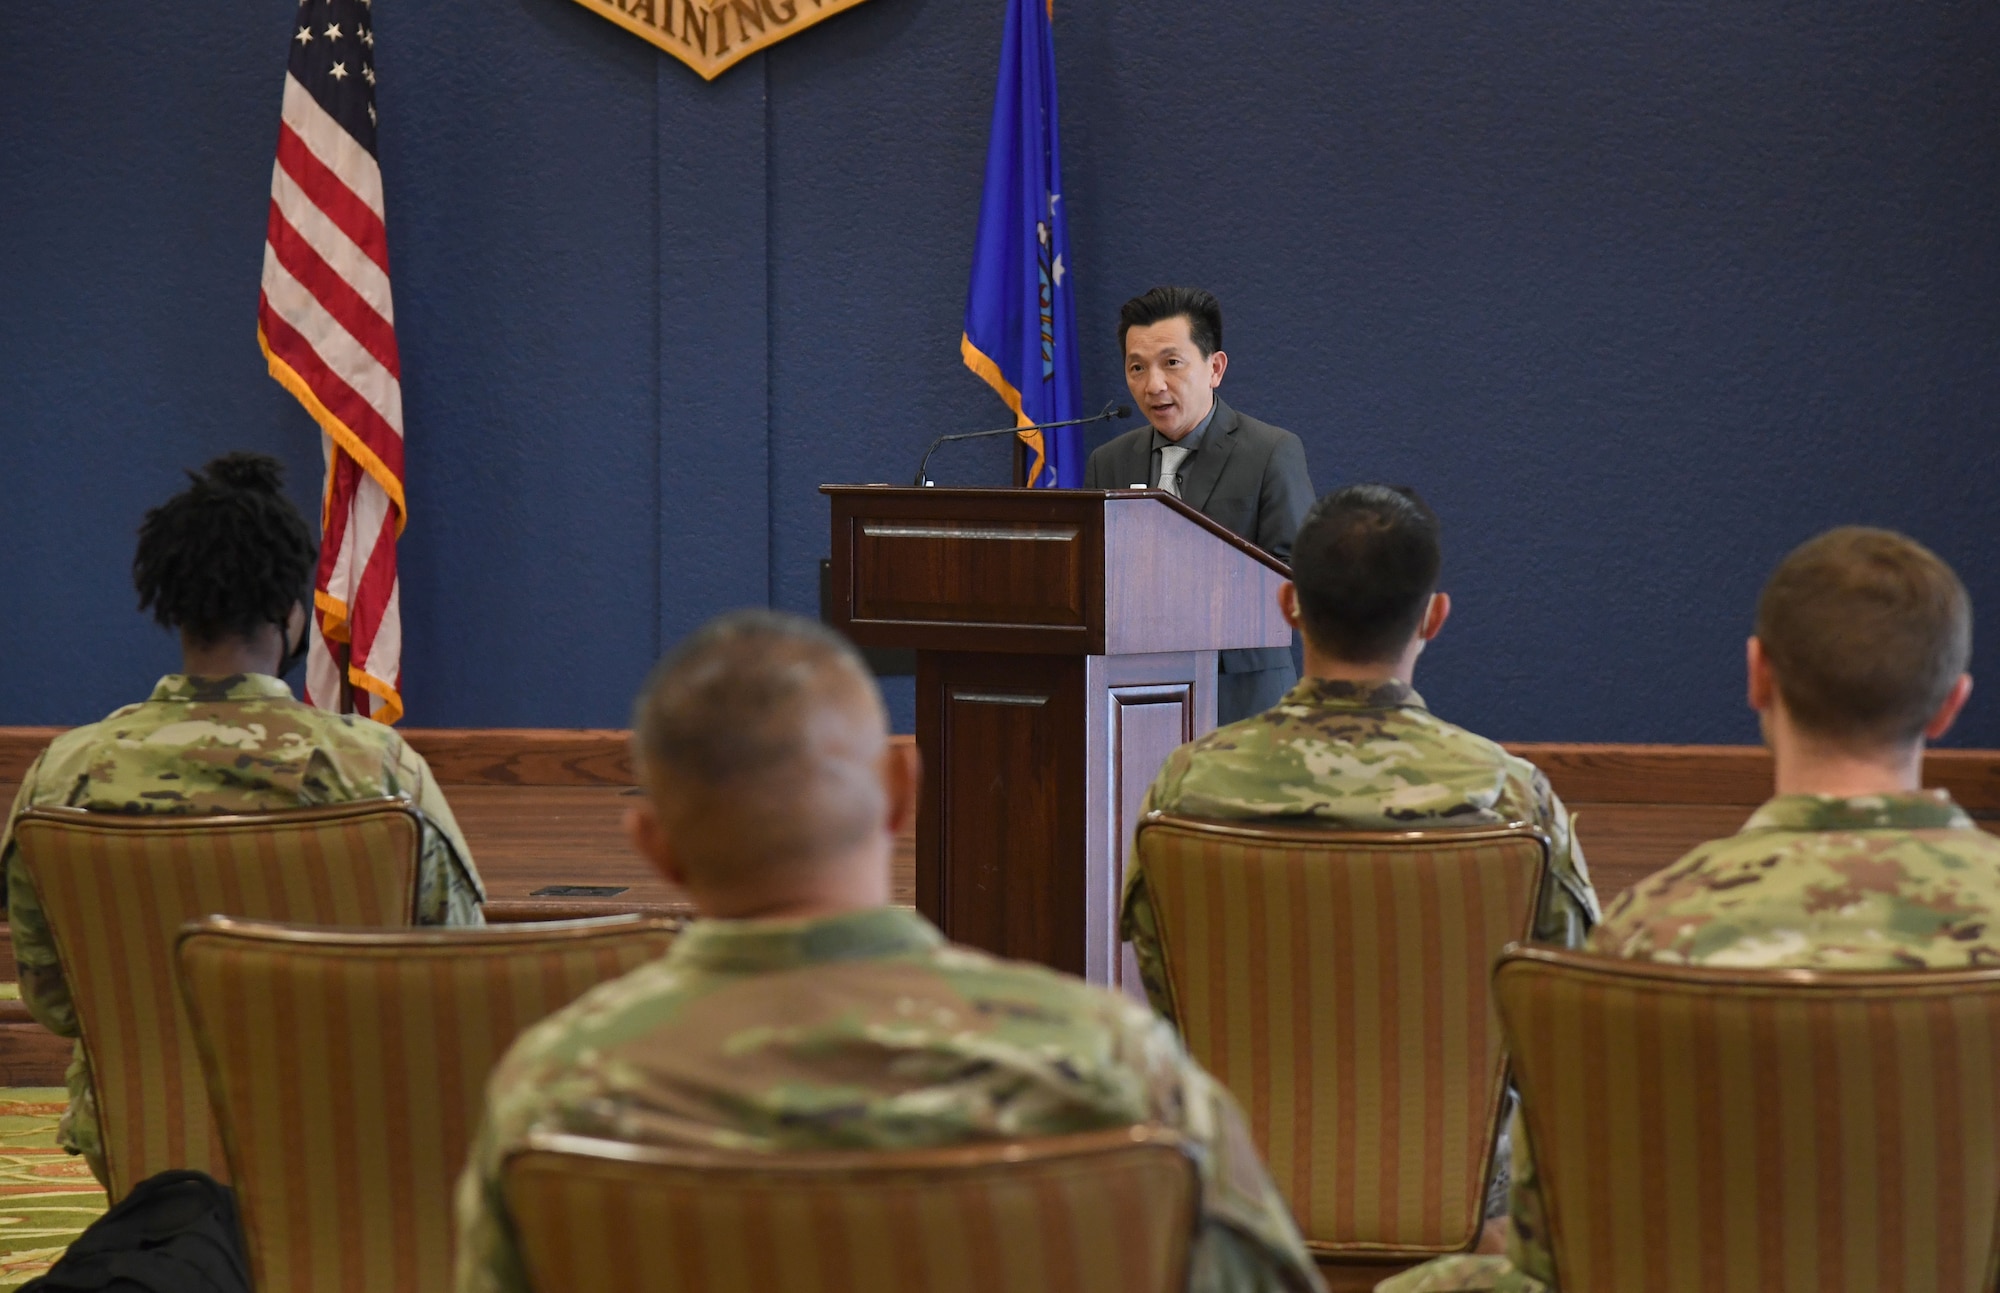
column 1111, row 411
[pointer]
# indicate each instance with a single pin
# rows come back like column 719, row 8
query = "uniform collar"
column 184, row 688
column 766, row 946
column 1328, row 693
column 1910, row 811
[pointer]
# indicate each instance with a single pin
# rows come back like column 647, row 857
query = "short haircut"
column 226, row 556
column 1202, row 310
column 1866, row 632
column 1365, row 563
column 759, row 736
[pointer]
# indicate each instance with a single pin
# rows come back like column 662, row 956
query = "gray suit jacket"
column 1249, row 476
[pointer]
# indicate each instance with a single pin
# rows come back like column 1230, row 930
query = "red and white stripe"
column 327, row 324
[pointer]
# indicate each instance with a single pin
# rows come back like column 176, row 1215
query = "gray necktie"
column 1171, row 457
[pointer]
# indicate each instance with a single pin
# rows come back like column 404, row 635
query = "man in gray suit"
column 1244, row 474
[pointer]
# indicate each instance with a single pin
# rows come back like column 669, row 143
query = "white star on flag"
column 368, row 37
column 1059, row 270
column 339, row 72
column 369, row 72
column 305, row 36
column 333, row 31
column 371, row 115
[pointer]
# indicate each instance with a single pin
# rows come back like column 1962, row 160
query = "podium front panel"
column 1034, row 768
column 957, row 570
column 1004, row 803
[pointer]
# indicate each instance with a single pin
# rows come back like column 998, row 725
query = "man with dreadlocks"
column 227, row 563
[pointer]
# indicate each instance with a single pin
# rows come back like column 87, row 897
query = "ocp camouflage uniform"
column 863, row 1031
column 1367, row 756
column 1875, row 882
column 216, row 745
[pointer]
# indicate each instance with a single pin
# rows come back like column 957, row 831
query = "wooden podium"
column 1065, row 645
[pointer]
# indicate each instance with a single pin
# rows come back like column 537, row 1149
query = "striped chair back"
column 1781, row 1131
column 117, row 888
column 1100, row 1212
column 348, row 1070
column 1337, row 982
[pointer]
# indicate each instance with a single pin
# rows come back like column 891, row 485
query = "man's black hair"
column 227, row 555
column 1365, row 563
column 1203, row 312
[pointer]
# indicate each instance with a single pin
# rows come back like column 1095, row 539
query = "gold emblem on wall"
column 711, row 36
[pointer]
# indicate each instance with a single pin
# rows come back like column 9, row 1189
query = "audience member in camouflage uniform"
column 1862, row 641
column 803, row 1012
column 225, row 564
column 1353, row 743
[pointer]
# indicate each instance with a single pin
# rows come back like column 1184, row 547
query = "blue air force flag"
column 1020, row 314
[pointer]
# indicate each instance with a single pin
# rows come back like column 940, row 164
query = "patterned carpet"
column 46, row 1196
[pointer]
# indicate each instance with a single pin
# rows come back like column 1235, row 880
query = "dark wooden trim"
column 31, row 1055
column 1670, row 976
column 1654, row 774
column 67, row 818
column 512, row 911
column 525, row 756
column 19, row 746
column 416, row 940
column 1720, row 775
column 1724, row 775
column 1314, row 833
column 860, row 1163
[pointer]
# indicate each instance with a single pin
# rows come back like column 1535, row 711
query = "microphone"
column 1111, row 411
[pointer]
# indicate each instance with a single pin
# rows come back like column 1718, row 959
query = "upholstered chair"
column 116, row 889
column 348, row 1072
column 1099, row 1212
column 1337, row 982
column 1759, row 1131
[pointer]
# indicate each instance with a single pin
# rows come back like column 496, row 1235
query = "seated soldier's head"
column 772, row 788
column 1364, row 583
column 228, row 564
column 1862, row 641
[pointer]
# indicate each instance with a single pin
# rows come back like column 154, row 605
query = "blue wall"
column 1639, row 294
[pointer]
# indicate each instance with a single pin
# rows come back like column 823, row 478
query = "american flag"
column 328, row 330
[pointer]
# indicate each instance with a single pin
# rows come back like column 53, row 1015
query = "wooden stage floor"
column 544, row 808
column 529, row 838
